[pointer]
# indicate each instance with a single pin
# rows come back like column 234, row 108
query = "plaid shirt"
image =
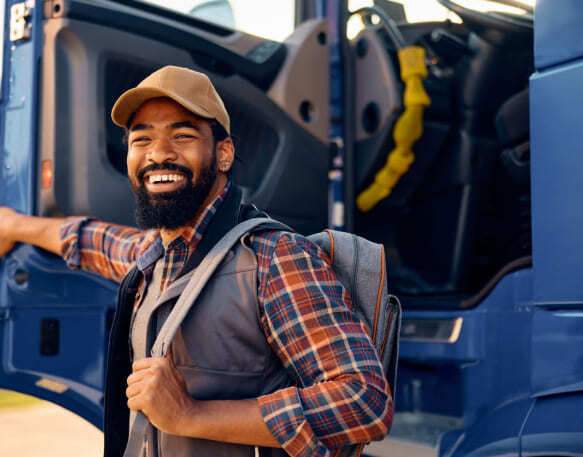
column 342, row 396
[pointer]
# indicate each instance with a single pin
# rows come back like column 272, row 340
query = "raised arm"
column 99, row 247
column 39, row 231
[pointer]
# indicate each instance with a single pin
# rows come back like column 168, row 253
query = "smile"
column 155, row 179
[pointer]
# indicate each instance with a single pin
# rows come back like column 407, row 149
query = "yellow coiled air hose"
column 407, row 131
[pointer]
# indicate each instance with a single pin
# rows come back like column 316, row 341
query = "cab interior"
column 453, row 225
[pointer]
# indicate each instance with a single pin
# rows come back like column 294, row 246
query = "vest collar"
column 151, row 254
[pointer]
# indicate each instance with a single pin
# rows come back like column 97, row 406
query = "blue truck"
column 482, row 231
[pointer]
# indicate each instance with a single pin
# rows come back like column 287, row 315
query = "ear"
column 225, row 151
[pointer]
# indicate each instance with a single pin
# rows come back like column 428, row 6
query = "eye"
column 184, row 136
column 139, row 140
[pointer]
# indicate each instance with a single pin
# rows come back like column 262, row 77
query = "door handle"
column 21, row 276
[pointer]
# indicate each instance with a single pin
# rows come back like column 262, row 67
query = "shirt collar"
column 152, row 248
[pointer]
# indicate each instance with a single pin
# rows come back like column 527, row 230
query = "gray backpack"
column 358, row 263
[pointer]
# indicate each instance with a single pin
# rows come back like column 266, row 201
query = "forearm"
column 336, row 413
column 157, row 388
column 233, row 421
column 100, row 247
column 39, row 231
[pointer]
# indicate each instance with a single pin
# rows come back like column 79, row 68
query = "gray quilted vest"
column 220, row 349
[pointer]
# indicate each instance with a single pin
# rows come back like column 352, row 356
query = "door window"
column 270, row 19
column 430, row 10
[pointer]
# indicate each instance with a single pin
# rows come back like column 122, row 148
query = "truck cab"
column 481, row 231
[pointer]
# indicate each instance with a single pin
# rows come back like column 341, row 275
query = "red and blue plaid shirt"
column 341, row 394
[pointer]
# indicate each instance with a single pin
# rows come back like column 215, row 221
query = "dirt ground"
column 46, row 430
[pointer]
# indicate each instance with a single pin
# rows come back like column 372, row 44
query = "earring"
column 224, row 165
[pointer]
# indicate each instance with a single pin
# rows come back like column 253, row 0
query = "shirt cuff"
column 284, row 416
column 69, row 234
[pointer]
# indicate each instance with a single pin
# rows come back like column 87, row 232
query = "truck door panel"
column 87, row 65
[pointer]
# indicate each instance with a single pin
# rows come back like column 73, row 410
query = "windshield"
column 270, row 19
column 432, row 10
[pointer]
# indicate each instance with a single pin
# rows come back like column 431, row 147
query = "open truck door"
column 65, row 63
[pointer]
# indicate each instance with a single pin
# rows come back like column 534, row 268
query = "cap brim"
column 129, row 102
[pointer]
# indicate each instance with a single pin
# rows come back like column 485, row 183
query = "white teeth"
column 164, row 178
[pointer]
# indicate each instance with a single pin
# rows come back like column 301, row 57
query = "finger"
column 137, row 376
column 135, row 403
column 146, row 363
column 133, row 390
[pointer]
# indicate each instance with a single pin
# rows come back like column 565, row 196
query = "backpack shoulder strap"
column 201, row 276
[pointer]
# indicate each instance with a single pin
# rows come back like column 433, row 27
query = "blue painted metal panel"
column 495, row 434
column 3, row 29
column 512, row 296
column 469, row 347
column 557, row 32
column 19, row 108
column 70, row 399
column 557, row 180
column 82, row 303
column 555, row 427
column 17, row 144
column 557, row 352
column 488, row 368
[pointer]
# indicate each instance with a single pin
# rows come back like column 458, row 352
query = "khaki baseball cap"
column 189, row 88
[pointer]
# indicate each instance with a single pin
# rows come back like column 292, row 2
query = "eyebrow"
column 175, row 125
column 187, row 124
column 136, row 127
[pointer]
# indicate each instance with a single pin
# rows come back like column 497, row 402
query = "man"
column 270, row 355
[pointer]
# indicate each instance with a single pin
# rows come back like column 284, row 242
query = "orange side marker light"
column 47, row 174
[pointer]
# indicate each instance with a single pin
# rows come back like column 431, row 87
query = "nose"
column 161, row 151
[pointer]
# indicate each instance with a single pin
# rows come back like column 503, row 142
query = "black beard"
column 170, row 210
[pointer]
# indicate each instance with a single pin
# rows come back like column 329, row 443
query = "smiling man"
column 271, row 355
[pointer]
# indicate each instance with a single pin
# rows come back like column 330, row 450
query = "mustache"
column 165, row 166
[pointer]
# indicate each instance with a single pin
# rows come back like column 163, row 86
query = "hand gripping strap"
column 195, row 285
